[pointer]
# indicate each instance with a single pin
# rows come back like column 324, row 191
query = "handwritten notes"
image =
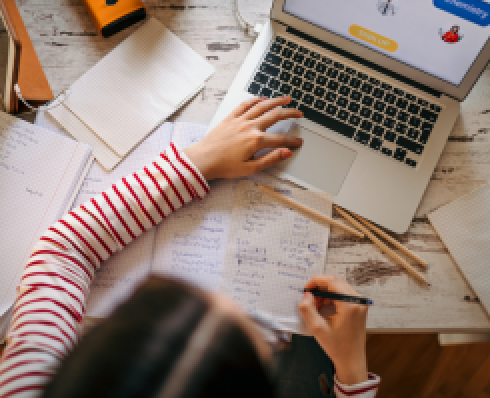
column 39, row 171
column 272, row 251
column 237, row 240
column 191, row 242
column 118, row 276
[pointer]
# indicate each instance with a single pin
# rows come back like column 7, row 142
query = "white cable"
column 53, row 104
column 251, row 30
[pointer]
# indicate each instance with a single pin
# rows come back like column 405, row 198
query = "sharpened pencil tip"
column 371, row 302
column 429, row 284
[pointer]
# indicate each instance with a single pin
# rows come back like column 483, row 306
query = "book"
column 10, row 48
column 22, row 65
column 40, row 174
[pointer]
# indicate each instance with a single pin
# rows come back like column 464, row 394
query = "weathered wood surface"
column 67, row 44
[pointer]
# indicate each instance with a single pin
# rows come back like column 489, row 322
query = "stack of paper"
column 128, row 93
column 40, row 174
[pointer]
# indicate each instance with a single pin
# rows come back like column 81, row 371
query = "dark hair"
column 167, row 340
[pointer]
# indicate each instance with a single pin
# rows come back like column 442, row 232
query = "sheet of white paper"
column 137, row 85
column 118, row 276
column 38, row 171
column 190, row 244
column 272, row 251
column 99, row 179
column 45, row 120
column 464, row 227
column 186, row 134
column 106, row 157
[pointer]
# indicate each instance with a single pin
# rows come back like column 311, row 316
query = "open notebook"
column 40, row 173
column 112, row 280
column 194, row 242
column 130, row 91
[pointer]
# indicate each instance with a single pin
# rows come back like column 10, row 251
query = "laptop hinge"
column 369, row 64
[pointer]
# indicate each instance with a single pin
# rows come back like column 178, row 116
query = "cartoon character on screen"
column 452, row 35
column 386, row 7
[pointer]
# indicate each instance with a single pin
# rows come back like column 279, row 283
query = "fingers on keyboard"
column 384, row 118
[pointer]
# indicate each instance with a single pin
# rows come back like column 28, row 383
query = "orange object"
column 28, row 72
column 112, row 16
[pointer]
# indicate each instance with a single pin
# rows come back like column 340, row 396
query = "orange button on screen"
column 373, row 38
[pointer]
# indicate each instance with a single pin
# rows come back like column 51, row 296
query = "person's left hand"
column 227, row 151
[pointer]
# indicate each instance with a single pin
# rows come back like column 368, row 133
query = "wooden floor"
column 416, row 366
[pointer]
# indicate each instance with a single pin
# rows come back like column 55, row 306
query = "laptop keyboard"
column 385, row 119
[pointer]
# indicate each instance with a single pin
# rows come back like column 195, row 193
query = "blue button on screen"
column 476, row 11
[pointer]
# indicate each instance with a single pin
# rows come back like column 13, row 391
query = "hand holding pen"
column 343, row 334
column 337, row 296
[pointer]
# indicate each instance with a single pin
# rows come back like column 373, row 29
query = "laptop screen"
column 440, row 37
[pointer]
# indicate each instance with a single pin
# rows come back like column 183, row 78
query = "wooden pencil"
column 311, row 212
column 390, row 239
column 385, row 249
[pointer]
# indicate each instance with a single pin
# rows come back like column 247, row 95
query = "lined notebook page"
column 141, row 82
column 272, row 251
column 190, row 243
column 118, row 276
column 39, row 170
column 464, row 227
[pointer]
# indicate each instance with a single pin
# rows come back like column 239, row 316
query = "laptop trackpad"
column 320, row 163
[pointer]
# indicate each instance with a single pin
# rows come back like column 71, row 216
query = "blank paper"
column 137, row 85
column 464, row 227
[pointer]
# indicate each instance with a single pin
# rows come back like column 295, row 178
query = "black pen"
column 342, row 297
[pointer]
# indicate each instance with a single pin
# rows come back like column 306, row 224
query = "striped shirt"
column 52, row 293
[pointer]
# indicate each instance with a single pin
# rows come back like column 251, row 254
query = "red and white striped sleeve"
column 367, row 389
column 52, row 293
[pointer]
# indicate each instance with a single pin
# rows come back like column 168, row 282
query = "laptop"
column 380, row 85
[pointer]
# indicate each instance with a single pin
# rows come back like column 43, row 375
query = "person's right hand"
column 227, row 151
column 341, row 335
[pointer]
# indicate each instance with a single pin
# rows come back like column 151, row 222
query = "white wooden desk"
column 67, row 44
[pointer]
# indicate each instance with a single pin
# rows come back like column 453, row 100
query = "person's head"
column 455, row 28
column 168, row 340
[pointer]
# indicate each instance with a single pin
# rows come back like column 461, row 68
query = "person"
column 386, row 8
column 169, row 339
column 452, row 35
